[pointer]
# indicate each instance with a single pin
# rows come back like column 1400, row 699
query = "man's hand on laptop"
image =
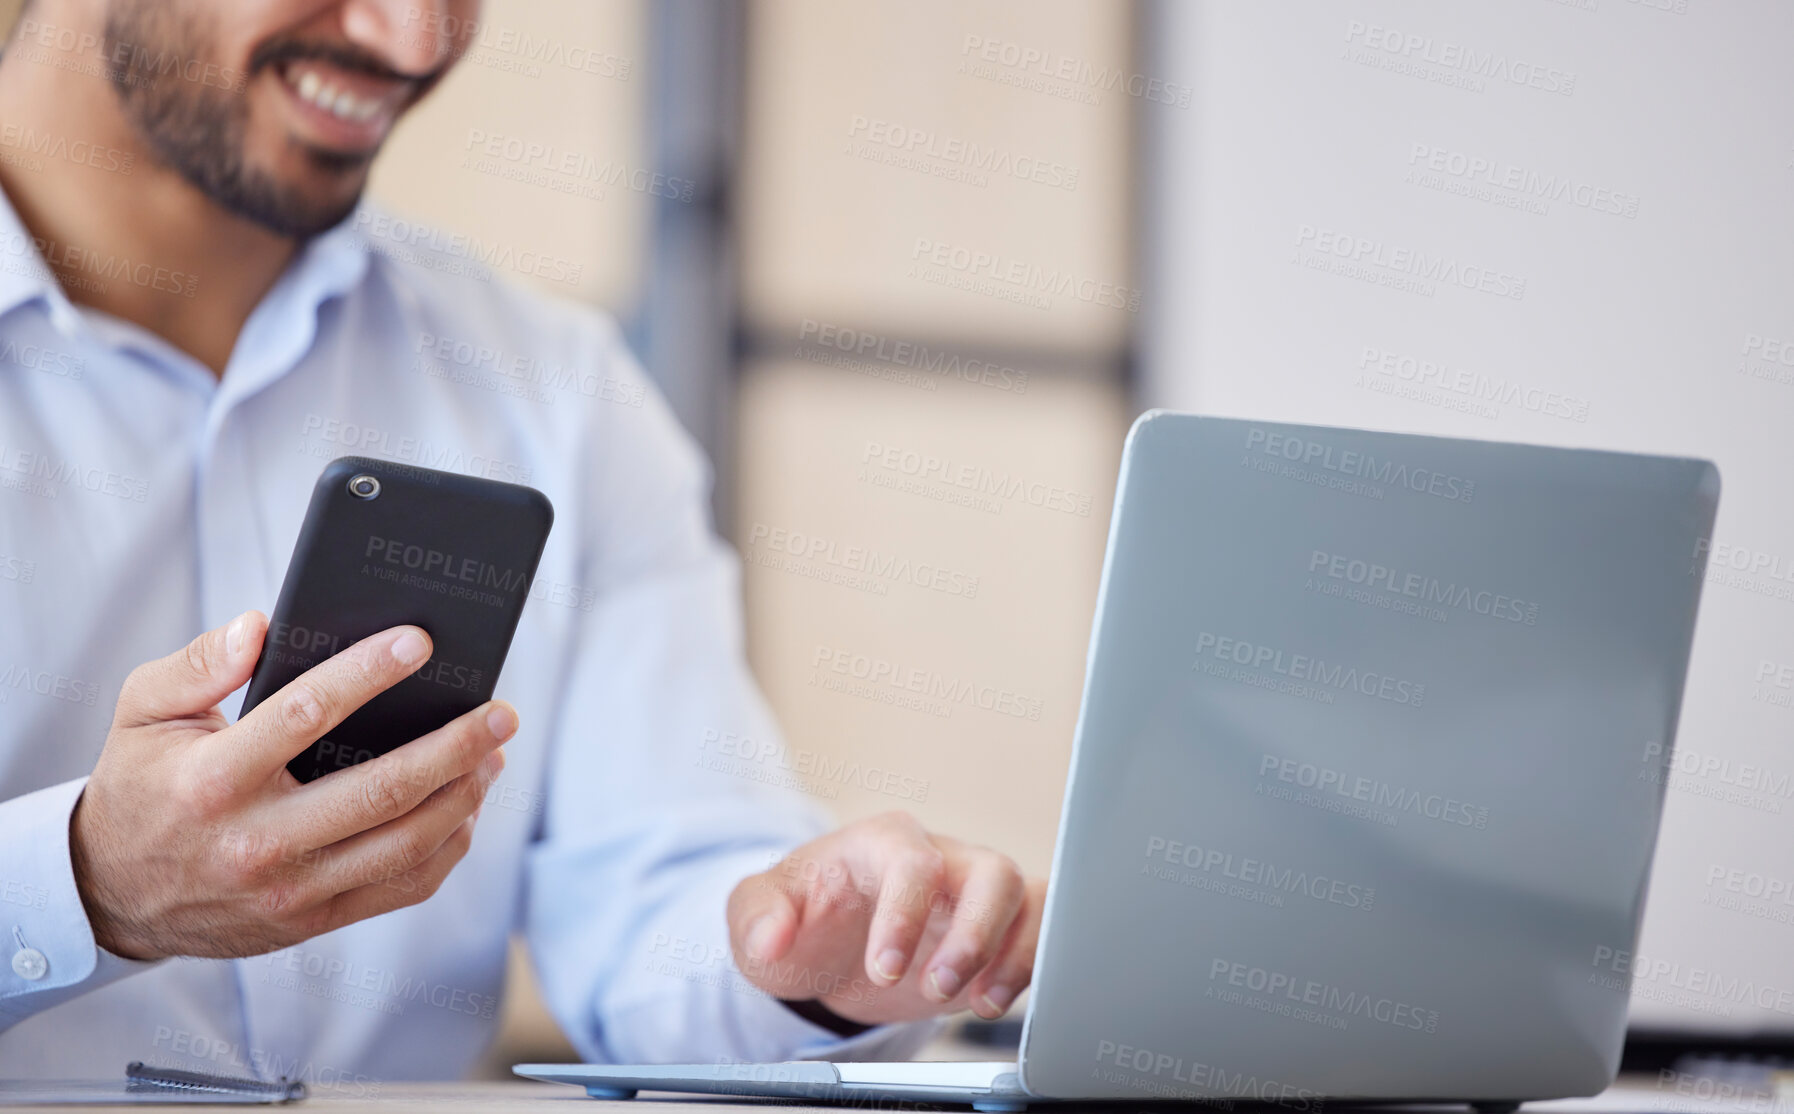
column 191, row 838
column 883, row 921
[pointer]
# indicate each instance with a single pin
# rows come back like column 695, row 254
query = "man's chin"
column 292, row 210
column 311, row 220
column 339, row 165
column 312, row 196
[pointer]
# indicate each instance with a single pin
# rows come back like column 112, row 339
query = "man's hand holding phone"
column 191, row 837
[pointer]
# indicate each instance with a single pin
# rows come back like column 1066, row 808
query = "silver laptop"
column 1366, row 781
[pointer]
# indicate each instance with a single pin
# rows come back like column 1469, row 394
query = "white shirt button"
column 29, row 963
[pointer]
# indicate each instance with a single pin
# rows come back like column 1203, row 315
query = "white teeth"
column 348, row 106
column 340, row 103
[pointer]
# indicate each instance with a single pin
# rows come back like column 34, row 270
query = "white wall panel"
column 1558, row 222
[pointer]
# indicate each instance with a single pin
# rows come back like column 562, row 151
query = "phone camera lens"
column 364, row 486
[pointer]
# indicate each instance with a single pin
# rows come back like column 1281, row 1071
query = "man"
column 195, row 315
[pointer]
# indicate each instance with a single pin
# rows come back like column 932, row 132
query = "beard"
column 201, row 130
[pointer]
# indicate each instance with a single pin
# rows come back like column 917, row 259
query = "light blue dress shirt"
column 142, row 501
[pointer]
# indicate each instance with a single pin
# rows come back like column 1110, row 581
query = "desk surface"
column 525, row 1097
column 393, row 1098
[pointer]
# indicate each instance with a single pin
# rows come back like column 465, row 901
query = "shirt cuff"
column 881, row 1042
column 812, row 1009
column 47, row 951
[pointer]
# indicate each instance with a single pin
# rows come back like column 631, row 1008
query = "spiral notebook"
column 144, row 1084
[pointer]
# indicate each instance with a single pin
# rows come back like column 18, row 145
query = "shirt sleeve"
column 645, row 831
column 45, row 936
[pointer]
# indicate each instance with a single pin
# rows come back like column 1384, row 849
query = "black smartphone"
column 385, row 544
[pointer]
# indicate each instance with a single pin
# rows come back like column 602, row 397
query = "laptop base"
column 987, row 1087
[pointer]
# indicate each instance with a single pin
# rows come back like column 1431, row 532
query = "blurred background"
column 868, row 250
column 888, row 256
column 908, row 269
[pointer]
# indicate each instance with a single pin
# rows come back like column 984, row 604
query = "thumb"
column 763, row 919
column 196, row 677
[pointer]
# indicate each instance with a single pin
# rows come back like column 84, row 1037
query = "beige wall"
column 536, row 158
column 877, row 135
column 869, row 129
column 984, row 609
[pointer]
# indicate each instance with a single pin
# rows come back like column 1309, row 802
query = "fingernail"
column 233, row 636
column 889, row 965
column 997, row 1000
column 501, row 721
column 494, row 763
column 944, row 981
column 409, row 648
column 759, row 938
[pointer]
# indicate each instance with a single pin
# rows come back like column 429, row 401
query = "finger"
column 304, row 711
column 403, row 844
column 989, row 893
column 196, row 677
column 360, row 798
column 763, row 920
column 993, row 991
column 914, row 872
column 409, row 888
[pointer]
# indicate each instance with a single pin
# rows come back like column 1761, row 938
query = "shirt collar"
column 284, row 324
column 332, row 262
column 24, row 276
column 278, row 332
